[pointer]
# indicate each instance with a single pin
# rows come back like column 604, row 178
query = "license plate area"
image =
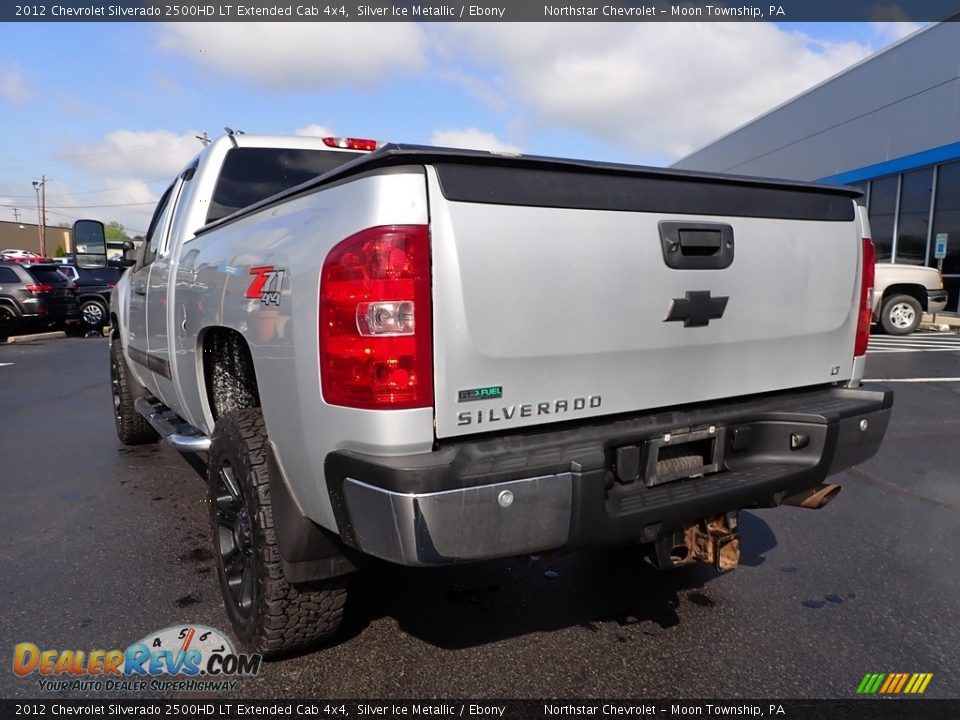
column 682, row 455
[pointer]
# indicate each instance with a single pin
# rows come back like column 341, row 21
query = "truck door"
column 146, row 367
column 159, row 297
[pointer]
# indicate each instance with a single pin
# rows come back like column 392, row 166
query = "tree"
column 115, row 231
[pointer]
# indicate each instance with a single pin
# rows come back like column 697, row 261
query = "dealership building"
column 889, row 125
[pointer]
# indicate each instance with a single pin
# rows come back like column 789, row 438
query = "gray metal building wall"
column 901, row 101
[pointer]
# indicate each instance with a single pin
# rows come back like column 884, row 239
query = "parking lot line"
column 914, row 380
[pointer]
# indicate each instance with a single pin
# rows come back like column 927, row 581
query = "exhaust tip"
column 814, row 498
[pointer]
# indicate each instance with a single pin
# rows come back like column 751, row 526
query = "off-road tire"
column 277, row 617
column 896, row 309
column 132, row 427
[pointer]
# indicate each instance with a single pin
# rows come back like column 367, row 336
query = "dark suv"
column 93, row 292
column 35, row 296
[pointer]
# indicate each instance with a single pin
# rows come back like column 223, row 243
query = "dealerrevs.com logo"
column 178, row 658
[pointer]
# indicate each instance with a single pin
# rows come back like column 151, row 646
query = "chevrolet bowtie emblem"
column 696, row 309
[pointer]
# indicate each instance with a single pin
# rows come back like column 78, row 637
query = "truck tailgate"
column 554, row 298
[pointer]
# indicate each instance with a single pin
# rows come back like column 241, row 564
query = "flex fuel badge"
column 485, row 393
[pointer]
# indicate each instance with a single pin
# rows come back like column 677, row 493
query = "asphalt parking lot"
column 103, row 544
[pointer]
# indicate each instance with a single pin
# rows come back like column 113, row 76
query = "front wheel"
column 268, row 614
column 901, row 315
column 132, row 427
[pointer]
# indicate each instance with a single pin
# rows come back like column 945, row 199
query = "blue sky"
column 109, row 112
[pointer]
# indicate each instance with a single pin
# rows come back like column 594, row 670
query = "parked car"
column 22, row 256
column 35, row 296
column 902, row 293
column 94, row 286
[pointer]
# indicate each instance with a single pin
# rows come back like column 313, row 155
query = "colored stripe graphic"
column 903, row 681
column 894, row 683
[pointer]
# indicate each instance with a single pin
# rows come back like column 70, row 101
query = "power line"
column 90, row 192
column 84, row 207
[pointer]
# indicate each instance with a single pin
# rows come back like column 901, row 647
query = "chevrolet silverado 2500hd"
column 432, row 356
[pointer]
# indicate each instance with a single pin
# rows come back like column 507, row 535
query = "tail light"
column 38, row 288
column 866, row 299
column 351, row 143
column 376, row 336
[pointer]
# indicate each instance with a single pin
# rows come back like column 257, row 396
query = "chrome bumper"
column 438, row 528
column 936, row 301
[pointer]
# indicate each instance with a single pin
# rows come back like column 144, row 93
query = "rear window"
column 48, row 275
column 250, row 175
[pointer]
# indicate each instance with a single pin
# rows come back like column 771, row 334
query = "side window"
column 8, row 275
column 155, row 232
column 70, row 273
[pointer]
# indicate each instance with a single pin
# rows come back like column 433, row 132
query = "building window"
column 883, row 206
column 946, row 217
column 914, row 216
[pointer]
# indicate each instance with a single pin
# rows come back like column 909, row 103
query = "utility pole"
column 16, row 215
column 41, row 187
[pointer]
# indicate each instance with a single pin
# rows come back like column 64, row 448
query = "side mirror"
column 89, row 244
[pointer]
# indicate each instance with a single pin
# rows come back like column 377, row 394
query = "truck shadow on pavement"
column 465, row 606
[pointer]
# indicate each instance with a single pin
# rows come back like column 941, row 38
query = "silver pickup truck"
column 431, row 356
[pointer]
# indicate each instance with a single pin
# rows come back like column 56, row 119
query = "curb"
column 935, row 327
column 36, row 336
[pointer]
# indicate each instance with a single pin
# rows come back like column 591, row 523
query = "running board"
column 183, row 436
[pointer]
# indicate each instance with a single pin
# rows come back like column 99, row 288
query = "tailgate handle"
column 696, row 246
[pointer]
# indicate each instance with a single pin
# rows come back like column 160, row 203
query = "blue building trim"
column 941, row 154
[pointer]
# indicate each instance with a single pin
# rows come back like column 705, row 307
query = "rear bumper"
column 533, row 491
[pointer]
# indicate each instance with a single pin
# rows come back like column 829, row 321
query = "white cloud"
column 135, row 153
column 13, row 86
column 315, row 131
column 471, row 139
column 661, row 89
column 891, row 32
column 285, row 56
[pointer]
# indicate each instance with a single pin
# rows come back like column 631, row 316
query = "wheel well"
column 918, row 292
column 10, row 305
column 94, row 297
column 228, row 372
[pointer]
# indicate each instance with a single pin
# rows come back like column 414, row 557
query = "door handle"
column 140, row 288
column 696, row 246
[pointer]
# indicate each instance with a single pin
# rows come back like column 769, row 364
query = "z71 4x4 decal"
column 266, row 285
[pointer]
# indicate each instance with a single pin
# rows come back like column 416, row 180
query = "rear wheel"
column 268, row 614
column 93, row 314
column 8, row 322
column 132, row 427
column 901, row 315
